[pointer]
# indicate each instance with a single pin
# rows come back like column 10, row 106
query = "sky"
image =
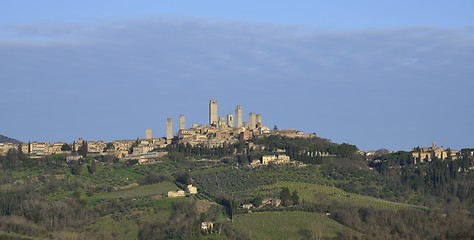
column 377, row 74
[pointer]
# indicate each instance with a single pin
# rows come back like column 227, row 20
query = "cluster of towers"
column 169, row 126
column 255, row 120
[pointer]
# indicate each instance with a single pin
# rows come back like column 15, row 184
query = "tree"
column 92, row 168
column 66, row 147
column 285, row 196
column 382, row 151
column 295, row 198
column 109, row 146
column 257, row 201
column 12, row 156
column 3, row 163
column 21, row 155
column 83, row 149
column 134, row 144
column 76, row 168
column 73, row 151
column 344, row 150
column 183, row 178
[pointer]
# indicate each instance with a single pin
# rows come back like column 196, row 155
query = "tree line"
column 452, row 180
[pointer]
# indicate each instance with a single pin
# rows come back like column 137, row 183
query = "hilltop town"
column 230, row 179
column 219, row 131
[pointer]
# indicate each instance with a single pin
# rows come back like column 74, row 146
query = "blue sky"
column 378, row 74
column 326, row 14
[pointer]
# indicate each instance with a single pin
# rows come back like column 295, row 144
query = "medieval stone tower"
column 148, row 134
column 213, row 120
column 169, row 130
column 259, row 120
column 252, row 120
column 181, row 122
column 238, row 116
column 230, row 120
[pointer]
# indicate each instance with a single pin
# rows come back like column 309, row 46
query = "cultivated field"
column 289, row 225
column 325, row 195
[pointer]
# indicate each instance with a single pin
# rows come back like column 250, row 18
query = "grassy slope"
column 126, row 225
column 122, row 228
column 141, row 191
column 320, row 194
column 15, row 236
column 288, row 225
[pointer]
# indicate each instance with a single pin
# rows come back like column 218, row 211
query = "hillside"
column 329, row 197
column 5, row 139
column 290, row 225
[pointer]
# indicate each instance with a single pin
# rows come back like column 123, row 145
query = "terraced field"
column 325, row 195
column 289, row 225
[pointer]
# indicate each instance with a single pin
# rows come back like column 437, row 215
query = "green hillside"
column 325, row 195
column 141, row 191
column 289, row 225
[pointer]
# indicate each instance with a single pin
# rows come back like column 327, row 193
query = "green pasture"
column 289, row 225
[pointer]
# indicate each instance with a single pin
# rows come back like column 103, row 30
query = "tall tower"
column 221, row 121
column 169, row 130
column 259, row 120
column 181, row 122
column 148, row 134
column 238, row 116
column 252, row 120
column 213, row 112
column 230, row 120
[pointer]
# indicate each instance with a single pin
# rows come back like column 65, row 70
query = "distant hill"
column 5, row 139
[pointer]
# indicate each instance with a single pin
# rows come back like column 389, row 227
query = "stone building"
column 246, row 135
column 4, row 147
column 207, row 136
column 207, row 226
column 179, row 193
column 55, row 148
column 39, row 148
column 277, row 159
column 289, row 133
column 96, row 147
column 192, row 190
column 427, row 154
column 222, row 122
